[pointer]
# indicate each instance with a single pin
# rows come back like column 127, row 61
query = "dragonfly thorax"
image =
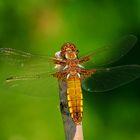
column 70, row 55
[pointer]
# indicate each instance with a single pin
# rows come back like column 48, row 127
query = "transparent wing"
column 111, row 78
column 27, row 73
column 12, row 79
column 111, row 53
column 37, row 84
column 25, row 60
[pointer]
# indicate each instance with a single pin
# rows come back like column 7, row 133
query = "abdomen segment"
column 75, row 98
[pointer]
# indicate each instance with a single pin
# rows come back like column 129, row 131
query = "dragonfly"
column 71, row 69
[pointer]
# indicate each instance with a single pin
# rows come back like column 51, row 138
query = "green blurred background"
column 41, row 27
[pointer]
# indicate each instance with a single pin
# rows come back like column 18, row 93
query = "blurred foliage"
column 41, row 27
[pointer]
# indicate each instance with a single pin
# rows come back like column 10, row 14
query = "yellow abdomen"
column 75, row 98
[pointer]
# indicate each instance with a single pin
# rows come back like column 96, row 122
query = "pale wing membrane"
column 14, row 56
column 22, row 78
column 25, row 60
column 37, row 84
column 112, row 53
column 29, row 74
column 111, row 78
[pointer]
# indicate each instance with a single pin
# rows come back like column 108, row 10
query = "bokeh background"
column 41, row 27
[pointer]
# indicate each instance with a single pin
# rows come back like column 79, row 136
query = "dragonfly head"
column 69, row 51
